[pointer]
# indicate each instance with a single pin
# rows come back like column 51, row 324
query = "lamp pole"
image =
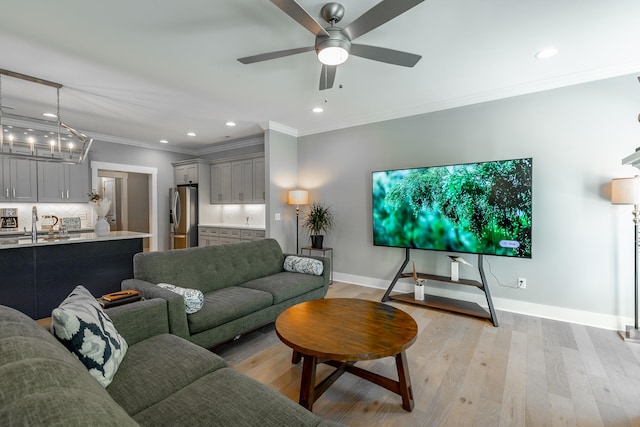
column 636, row 220
column 626, row 191
column 298, row 197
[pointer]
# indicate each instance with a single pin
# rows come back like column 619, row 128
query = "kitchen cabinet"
column 184, row 174
column 211, row 236
column 208, row 236
column 58, row 182
column 259, row 189
column 19, row 180
column 240, row 181
column 221, row 183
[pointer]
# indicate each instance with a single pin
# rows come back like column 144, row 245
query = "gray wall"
column 161, row 160
column 582, row 261
column 138, row 201
column 281, row 174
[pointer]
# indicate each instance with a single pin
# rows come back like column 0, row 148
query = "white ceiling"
column 145, row 70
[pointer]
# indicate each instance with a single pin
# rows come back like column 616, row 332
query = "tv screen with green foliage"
column 479, row 208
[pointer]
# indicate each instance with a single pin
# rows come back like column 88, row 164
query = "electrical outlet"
column 522, row 283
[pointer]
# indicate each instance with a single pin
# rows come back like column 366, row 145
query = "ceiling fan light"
column 333, row 55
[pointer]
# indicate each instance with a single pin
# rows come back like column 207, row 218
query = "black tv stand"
column 442, row 303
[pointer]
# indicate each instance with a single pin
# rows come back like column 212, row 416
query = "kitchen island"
column 37, row 276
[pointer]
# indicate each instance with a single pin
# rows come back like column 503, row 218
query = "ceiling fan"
column 333, row 44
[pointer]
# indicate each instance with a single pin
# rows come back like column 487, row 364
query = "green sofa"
column 163, row 380
column 245, row 286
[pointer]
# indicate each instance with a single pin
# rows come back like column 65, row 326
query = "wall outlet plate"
column 522, row 283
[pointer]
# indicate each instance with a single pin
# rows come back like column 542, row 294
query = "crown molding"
column 279, row 127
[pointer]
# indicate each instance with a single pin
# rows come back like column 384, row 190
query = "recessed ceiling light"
column 230, row 123
column 191, row 134
column 547, row 53
column 50, row 115
column 164, row 141
column 317, row 109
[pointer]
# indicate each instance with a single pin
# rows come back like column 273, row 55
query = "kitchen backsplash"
column 84, row 211
column 254, row 214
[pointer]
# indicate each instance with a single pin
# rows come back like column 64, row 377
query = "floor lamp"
column 625, row 191
column 298, row 197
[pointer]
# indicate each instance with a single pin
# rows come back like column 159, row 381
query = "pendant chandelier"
column 33, row 138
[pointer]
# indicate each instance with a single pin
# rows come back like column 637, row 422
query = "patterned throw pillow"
column 298, row 264
column 193, row 298
column 87, row 331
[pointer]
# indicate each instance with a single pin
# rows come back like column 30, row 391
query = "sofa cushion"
column 44, row 384
column 209, row 402
column 86, row 330
column 298, row 264
column 211, row 267
column 193, row 298
column 284, row 286
column 158, row 367
column 225, row 305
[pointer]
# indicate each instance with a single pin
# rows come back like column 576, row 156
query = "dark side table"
column 324, row 251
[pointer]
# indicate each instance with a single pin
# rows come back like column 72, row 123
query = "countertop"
column 23, row 241
column 235, row 226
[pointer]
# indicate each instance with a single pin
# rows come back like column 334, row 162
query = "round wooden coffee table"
column 342, row 331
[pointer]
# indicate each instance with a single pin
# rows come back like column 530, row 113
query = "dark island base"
column 36, row 279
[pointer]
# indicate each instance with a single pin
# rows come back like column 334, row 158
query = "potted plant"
column 318, row 219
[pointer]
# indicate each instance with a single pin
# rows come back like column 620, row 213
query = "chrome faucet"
column 34, row 229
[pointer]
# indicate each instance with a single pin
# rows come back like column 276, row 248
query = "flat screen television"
column 479, row 208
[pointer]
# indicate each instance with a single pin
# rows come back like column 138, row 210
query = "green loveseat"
column 245, row 286
column 163, row 380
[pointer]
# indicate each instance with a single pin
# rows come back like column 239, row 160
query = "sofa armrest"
column 140, row 320
column 326, row 266
column 175, row 304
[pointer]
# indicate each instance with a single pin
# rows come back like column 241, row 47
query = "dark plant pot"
column 316, row 241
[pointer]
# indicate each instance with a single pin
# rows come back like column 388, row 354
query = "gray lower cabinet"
column 211, row 236
column 19, row 180
column 59, row 182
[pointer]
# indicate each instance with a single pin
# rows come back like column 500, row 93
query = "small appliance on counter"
column 9, row 219
column 48, row 222
column 71, row 223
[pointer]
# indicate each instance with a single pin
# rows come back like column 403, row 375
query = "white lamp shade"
column 625, row 191
column 298, row 197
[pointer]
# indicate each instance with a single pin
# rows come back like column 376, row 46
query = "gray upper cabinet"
column 259, row 188
column 240, row 181
column 59, row 182
column 19, row 180
column 221, row 183
column 185, row 174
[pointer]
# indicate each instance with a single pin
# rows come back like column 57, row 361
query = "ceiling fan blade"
column 327, row 76
column 301, row 16
column 383, row 12
column 382, row 54
column 273, row 55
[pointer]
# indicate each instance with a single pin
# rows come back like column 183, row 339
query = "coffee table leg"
column 404, row 381
column 308, row 383
column 296, row 357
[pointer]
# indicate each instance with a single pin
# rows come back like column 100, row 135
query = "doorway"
column 133, row 191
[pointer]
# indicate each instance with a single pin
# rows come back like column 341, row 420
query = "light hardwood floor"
column 465, row 372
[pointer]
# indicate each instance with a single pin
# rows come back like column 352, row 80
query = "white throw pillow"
column 82, row 326
column 298, row 264
column 193, row 298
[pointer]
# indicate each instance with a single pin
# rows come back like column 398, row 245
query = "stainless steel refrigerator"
column 183, row 217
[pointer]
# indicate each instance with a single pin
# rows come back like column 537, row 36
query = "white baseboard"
column 587, row 318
